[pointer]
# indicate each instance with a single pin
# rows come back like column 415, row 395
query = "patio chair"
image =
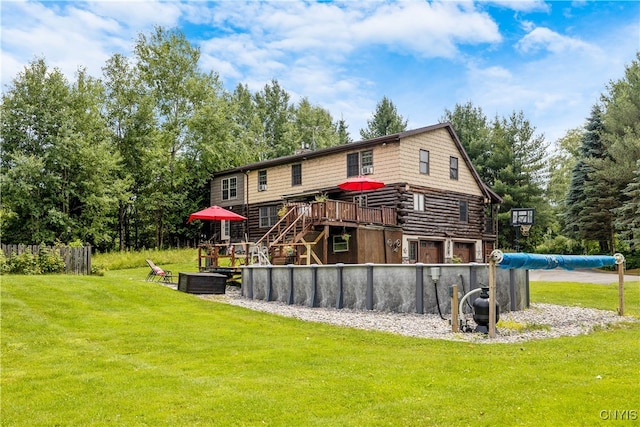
column 158, row 273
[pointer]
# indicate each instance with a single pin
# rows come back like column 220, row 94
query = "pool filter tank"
column 481, row 311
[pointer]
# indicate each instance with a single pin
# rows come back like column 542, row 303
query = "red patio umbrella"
column 216, row 213
column 361, row 183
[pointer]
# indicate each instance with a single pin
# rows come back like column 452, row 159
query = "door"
column 430, row 252
column 464, row 251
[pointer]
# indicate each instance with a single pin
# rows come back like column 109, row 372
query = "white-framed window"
column 262, row 180
column 225, row 230
column 340, row 244
column 418, row 202
column 366, row 159
column 268, row 216
column 229, row 188
column 360, row 163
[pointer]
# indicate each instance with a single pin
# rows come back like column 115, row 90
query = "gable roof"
column 396, row 137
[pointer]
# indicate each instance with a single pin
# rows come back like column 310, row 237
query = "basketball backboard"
column 523, row 216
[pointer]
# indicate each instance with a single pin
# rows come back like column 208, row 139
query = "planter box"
column 202, row 283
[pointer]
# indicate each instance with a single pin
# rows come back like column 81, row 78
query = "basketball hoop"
column 524, row 229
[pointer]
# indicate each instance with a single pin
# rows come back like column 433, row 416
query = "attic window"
column 424, row 162
column 453, row 168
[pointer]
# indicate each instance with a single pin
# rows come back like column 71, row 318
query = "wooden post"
column 492, row 299
column 621, row 289
column 325, row 249
column 454, row 309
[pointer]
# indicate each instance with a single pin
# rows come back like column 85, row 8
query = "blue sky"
column 552, row 60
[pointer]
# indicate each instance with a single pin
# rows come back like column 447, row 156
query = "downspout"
column 246, row 204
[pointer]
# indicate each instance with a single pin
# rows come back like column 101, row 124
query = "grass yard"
column 115, row 350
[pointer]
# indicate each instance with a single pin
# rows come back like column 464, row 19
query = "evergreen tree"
column 385, row 121
column 628, row 215
column 342, row 128
column 473, row 131
column 621, row 137
column 519, row 162
column 561, row 165
column 587, row 216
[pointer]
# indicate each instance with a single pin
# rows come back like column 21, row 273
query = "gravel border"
column 540, row 321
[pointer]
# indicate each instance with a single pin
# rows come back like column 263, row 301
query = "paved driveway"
column 583, row 276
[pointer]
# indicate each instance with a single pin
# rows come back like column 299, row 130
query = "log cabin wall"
column 441, row 215
column 397, row 162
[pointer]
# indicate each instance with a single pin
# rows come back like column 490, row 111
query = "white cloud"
column 544, row 39
column 426, row 29
column 344, row 56
column 521, row 5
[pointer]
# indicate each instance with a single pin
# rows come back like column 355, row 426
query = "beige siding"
column 440, row 146
column 322, row 172
column 216, row 190
column 392, row 163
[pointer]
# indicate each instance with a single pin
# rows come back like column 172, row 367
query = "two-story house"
column 433, row 208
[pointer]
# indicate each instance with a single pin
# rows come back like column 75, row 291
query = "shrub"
column 98, row 269
column 4, row 264
column 50, row 261
column 632, row 261
column 25, row 263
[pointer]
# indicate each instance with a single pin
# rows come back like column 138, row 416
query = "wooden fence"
column 76, row 260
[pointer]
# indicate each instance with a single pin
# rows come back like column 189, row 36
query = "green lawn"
column 115, row 350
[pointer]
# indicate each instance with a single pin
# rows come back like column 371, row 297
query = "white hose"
column 460, row 312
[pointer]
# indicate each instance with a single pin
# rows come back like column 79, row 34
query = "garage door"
column 430, row 252
column 464, row 251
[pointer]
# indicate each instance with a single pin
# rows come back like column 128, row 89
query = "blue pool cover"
column 548, row 262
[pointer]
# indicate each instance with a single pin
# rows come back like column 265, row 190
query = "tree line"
column 585, row 192
column 120, row 161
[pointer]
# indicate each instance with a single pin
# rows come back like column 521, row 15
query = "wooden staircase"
column 292, row 238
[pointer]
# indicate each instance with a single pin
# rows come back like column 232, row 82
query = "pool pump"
column 481, row 311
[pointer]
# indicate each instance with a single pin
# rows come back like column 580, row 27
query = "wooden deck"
column 337, row 211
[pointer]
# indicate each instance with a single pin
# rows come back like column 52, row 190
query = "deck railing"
column 339, row 211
